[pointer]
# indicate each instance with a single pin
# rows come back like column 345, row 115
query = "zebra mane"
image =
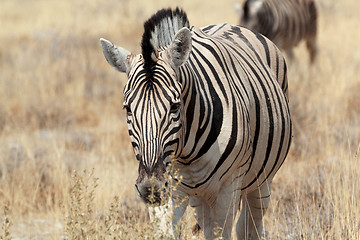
column 159, row 31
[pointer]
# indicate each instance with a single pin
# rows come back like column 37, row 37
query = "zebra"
column 285, row 22
column 212, row 103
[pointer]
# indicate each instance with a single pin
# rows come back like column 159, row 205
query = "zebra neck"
column 203, row 118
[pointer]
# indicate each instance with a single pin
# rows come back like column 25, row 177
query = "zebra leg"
column 165, row 218
column 203, row 216
column 254, row 206
column 216, row 216
column 160, row 217
column 312, row 47
column 312, row 32
column 290, row 54
column 226, row 208
column 179, row 204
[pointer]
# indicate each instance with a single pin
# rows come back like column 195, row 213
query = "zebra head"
column 249, row 13
column 152, row 98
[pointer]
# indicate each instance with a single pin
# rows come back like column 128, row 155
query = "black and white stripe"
column 215, row 99
column 285, row 22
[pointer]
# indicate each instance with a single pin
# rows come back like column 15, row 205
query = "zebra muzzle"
column 151, row 184
column 151, row 191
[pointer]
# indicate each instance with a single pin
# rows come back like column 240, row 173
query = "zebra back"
column 285, row 22
column 248, row 76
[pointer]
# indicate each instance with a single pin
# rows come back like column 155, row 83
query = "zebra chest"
column 195, row 179
column 206, row 174
column 203, row 178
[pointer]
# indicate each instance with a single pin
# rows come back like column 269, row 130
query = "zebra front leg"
column 254, row 206
column 216, row 217
column 290, row 55
column 165, row 218
column 203, row 216
column 160, row 217
column 225, row 209
column 312, row 47
column 179, row 205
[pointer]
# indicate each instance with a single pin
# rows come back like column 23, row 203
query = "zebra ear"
column 255, row 6
column 117, row 57
column 238, row 8
column 180, row 48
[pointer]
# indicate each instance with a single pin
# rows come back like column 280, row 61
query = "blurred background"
column 64, row 147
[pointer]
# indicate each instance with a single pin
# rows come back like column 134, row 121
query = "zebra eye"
column 174, row 108
column 128, row 111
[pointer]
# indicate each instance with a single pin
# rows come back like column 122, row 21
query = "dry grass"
column 60, row 113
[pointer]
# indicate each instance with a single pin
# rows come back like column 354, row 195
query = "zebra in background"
column 211, row 101
column 285, row 22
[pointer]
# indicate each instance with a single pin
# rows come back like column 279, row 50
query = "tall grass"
column 60, row 113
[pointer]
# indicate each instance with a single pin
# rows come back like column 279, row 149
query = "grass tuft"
column 80, row 221
column 6, row 224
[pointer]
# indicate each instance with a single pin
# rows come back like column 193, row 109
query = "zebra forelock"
column 159, row 31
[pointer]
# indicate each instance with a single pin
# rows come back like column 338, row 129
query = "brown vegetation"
column 60, row 114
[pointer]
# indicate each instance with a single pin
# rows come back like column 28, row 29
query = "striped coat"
column 285, row 22
column 215, row 100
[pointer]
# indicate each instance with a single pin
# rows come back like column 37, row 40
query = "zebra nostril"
column 148, row 193
column 137, row 190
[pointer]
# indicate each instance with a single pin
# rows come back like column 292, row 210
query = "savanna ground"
column 66, row 165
